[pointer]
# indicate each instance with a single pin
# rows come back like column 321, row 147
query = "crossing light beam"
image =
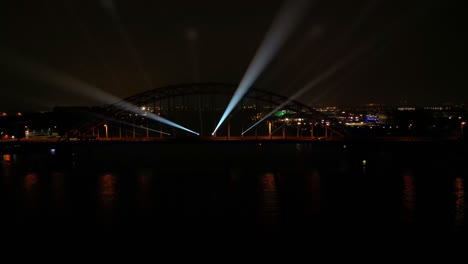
column 66, row 82
column 311, row 84
column 280, row 30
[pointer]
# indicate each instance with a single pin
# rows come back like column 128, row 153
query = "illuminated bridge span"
column 198, row 107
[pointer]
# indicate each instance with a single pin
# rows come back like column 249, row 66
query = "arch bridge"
column 198, row 106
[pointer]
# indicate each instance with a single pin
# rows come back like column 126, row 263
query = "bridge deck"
column 235, row 138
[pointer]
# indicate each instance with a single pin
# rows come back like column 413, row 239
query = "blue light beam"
column 68, row 83
column 142, row 127
column 311, row 85
column 282, row 27
column 135, row 109
column 130, row 124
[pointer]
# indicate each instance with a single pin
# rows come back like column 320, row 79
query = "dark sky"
column 416, row 49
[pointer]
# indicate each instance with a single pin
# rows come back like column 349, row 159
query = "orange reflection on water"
column 313, row 184
column 31, row 190
column 409, row 197
column 268, row 183
column 7, row 174
column 107, row 190
column 144, row 190
column 269, row 201
column 459, row 193
column 30, row 182
column 58, row 188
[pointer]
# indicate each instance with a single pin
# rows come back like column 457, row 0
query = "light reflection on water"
column 459, row 192
column 409, row 198
column 31, row 191
column 144, row 182
column 58, row 189
column 7, row 174
column 313, row 198
column 299, row 197
column 270, row 207
column 8, row 157
column 107, row 184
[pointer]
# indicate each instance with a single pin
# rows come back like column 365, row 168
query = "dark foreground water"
column 229, row 190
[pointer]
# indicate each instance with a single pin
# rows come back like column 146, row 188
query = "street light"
column 461, row 127
column 107, row 135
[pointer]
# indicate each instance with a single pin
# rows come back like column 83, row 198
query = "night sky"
column 416, row 50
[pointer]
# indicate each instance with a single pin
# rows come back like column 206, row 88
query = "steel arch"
column 171, row 91
column 115, row 113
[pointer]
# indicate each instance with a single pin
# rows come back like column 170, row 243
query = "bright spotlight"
column 282, row 27
column 68, row 83
column 311, row 84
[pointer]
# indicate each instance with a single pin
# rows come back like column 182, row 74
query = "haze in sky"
column 418, row 51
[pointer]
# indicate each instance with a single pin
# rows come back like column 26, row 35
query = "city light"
column 312, row 84
column 136, row 110
column 280, row 30
column 107, row 131
column 68, row 83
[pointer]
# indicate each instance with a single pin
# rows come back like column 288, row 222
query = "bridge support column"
column 284, row 131
column 312, row 130
column 326, row 131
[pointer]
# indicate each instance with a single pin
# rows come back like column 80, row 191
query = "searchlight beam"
column 282, row 27
column 67, row 82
